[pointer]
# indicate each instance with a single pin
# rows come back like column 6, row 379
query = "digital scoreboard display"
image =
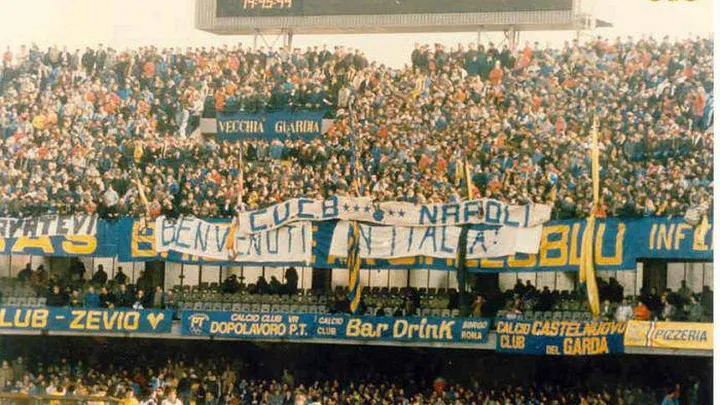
column 299, row 8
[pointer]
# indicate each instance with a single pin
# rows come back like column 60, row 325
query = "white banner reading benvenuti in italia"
column 289, row 243
column 485, row 211
column 385, row 242
column 48, row 225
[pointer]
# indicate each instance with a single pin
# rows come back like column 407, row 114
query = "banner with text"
column 86, row 320
column 48, row 225
column 486, row 211
column 388, row 242
column 239, row 126
column 563, row 338
column 248, row 325
column 670, row 335
column 193, row 236
column 619, row 244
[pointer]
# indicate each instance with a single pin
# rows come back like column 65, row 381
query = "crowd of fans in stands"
column 221, row 382
column 77, row 126
column 120, row 292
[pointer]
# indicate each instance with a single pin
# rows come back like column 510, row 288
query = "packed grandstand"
column 117, row 134
column 76, row 123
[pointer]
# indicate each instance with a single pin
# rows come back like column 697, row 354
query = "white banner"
column 485, row 211
column 386, row 242
column 290, row 243
column 48, row 225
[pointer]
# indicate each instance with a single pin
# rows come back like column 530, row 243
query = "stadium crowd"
column 76, row 126
column 224, row 382
column 523, row 300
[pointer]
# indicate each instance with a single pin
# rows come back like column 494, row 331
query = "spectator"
column 129, row 398
column 140, row 301
column 76, row 300
column 262, row 287
column 291, row 281
column 25, row 274
column 606, row 310
column 172, row 398
column 624, row 311
column 107, row 299
column 696, row 312
column 100, row 277
column 158, row 298
column 77, row 269
column 56, row 298
column 668, row 309
column 40, row 276
column 641, row 312
column 275, row 286
column 477, row 306
column 120, row 277
column 6, row 375
column 125, row 297
column 92, row 299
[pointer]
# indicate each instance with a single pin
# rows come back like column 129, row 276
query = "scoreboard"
column 307, row 8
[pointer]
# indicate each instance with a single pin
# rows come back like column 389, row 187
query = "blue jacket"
column 92, row 300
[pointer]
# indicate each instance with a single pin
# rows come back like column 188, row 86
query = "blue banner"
column 86, row 320
column 249, row 325
column 561, row 338
column 101, row 244
column 619, row 244
column 238, row 126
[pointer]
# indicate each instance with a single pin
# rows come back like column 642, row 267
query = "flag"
column 461, row 272
column 587, row 254
column 468, row 180
column 239, row 205
column 353, row 262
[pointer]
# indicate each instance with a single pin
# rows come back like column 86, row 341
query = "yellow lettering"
column 574, row 259
column 665, row 236
column 138, row 237
column 699, row 240
column 93, row 320
column 488, row 263
column 651, row 240
column 530, row 261
column 40, row 319
column 41, row 242
column 679, row 233
column 77, row 318
column 79, row 244
column 615, row 259
column 546, row 245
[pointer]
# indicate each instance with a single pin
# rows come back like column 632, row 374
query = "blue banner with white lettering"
column 305, row 125
column 560, row 338
column 251, row 325
column 86, row 320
